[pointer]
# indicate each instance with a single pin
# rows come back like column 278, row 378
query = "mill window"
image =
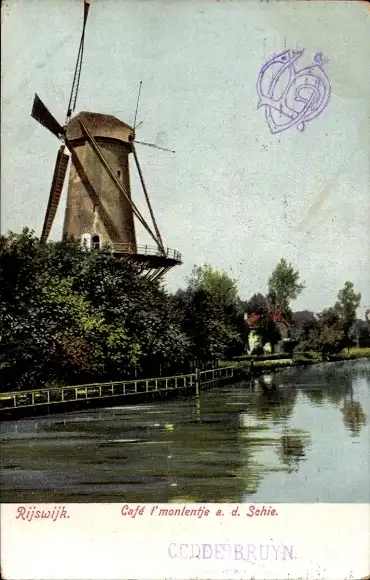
column 95, row 242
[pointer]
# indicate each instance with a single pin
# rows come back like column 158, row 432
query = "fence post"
column 197, row 381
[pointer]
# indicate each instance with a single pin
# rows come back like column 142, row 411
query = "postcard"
column 185, row 289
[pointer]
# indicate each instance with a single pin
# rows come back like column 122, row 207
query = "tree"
column 304, row 319
column 348, row 302
column 346, row 306
column 283, row 287
column 26, row 331
column 327, row 335
column 203, row 323
column 303, row 322
column 212, row 315
column 257, row 304
column 217, row 284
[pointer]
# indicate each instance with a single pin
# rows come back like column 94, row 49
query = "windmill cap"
column 99, row 125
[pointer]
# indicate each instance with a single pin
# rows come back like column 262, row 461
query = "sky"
column 234, row 195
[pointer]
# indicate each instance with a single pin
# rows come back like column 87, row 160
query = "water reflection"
column 269, row 440
column 354, row 417
column 333, row 385
column 337, row 387
column 274, row 400
column 294, row 443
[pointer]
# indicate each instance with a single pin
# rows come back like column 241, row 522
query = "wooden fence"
column 58, row 396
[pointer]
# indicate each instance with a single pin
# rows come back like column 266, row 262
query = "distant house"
column 279, row 320
column 254, row 339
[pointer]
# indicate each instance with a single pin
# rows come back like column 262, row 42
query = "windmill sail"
column 155, row 146
column 60, row 171
column 159, row 238
column 43, row 116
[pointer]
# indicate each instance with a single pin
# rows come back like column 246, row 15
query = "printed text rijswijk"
column 28, row 514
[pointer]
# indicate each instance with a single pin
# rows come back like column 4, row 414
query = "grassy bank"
column 356, row 352
column 268, row 363
column 243, row 368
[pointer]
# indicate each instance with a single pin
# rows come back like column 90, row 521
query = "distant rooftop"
column 253, row 318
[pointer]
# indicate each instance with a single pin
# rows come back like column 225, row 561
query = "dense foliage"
column 71, row 316
column 212, row 316
column 336, row 327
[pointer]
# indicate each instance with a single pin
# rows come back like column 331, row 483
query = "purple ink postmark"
column 292, row 96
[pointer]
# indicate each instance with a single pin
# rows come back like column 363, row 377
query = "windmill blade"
column 78, row 68
column 155, row 146
column 137, row 105
column 147, row 197
column 60, row 171
column 43, row 116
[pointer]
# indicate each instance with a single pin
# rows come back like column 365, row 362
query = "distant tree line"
column 70, row 315
column 328, row 331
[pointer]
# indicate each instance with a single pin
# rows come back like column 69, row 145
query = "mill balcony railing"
column 124, row 248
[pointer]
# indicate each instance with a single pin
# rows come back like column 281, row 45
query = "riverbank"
column 247, row 365
column 66, row 398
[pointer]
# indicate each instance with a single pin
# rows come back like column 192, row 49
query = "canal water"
column 301, row 435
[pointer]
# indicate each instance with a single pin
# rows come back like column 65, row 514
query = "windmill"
column 100, row 210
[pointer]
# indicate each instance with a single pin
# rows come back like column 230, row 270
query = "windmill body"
column 97, row 213
column 100, row 210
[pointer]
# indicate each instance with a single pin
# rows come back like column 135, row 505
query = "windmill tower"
column 100, row 210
